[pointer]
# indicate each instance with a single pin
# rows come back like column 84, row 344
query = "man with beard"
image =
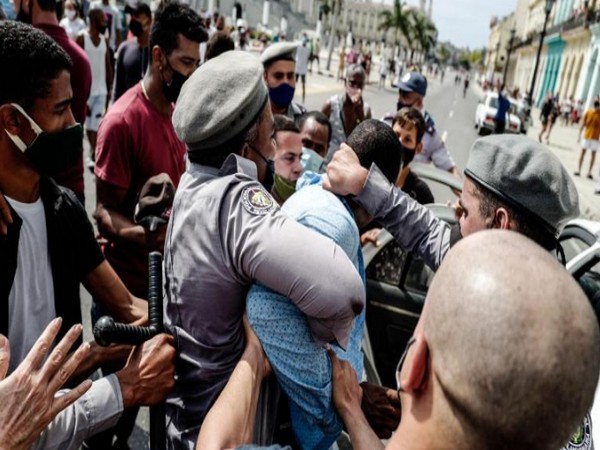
column 136, row 141
column 133, row 55
column 280, row 76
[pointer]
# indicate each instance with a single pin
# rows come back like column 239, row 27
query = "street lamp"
column 547, row 10
column 510, row 48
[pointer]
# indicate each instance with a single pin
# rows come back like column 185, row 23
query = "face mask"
column 311, row 161
column 401, row 105
column 22, row 16
column 282, row 95
column 50, row 153
column 70, row 13
column 270, row 175
column 407, row 155
column 172, row 89
column 283, row 188
column 135, row 26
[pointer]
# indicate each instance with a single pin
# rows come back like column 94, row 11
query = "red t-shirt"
column 81, row 83
column 135, row 142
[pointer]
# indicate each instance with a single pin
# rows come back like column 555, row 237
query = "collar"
column 236, row 164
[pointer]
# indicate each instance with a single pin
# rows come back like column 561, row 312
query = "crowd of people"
column 259, row 208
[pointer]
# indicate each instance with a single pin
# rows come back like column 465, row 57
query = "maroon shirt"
column 81, row 83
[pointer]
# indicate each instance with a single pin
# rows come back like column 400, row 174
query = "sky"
column 467, row 22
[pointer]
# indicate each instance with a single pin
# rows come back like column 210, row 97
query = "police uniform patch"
column 582, row 438
column 406, row 77
column 257, row 200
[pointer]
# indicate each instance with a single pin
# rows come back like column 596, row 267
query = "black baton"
column 107, row 331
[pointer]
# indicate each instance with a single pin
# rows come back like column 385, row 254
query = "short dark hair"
column 319, row 117
column 284, row 123
column 219, row 43
column 47, row 5
column 525, row 223
column 411, row 118
column 375, row 142
column 172, row 18
column 30, row 60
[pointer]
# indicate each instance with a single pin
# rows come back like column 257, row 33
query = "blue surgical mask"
column 282, row 95
column 311, row 161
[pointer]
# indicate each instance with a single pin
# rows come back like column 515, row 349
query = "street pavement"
column 454, row 119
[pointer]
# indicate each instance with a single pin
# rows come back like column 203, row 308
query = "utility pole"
column 510, row 47
column 548, row 9
column 334, row 13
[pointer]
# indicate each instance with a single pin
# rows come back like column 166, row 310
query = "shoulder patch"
column 582, row 438
column 257, row 200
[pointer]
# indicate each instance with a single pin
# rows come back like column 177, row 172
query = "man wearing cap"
column 133, row 55
column 412, row 89
column 279, row 63
column 227, row 232
column 511, row 182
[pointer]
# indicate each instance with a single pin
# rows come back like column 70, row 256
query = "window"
column 387, row 265
column 419, row 276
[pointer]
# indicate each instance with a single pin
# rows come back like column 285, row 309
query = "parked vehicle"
column 486, row 112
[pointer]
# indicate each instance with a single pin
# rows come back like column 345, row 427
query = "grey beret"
column 527, row 176
column 280, row 50
column 221, row 99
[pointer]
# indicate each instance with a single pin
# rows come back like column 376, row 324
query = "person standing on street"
column 346, row 111
column 591, row 125
column 42, row 15
column 302, row 57
column 113, row 23
column 133, row 55
column 547, row 108
column 95, row 45
column 243, row 238
column 72, row 23
column 501, row 111
column 279, row 62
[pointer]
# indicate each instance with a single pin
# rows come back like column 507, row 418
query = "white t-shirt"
column 31, row 298
column 73, row 27
column 302, row 54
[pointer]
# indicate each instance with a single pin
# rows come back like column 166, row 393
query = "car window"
column 493, row 102
column 572, row 246
column 386, row 267
column 419, row 276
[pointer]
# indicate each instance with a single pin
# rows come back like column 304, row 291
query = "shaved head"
column 513, row 341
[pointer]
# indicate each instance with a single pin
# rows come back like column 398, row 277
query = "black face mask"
column 400, row 105
column 172, row 89
column 50, row 153
column 135, row 26
column 407, row 155
column 101, row 29
column 269, row 177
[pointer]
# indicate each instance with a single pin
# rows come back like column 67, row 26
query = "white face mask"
column 70, row 13
column 311, row 161
column 34, row 126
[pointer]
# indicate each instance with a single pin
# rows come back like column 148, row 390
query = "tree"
column 423, row 33
column 443, row 54
column 398, row 19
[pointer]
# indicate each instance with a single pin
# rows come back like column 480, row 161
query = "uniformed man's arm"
column 440, row 156
column 312, row 271
column 414, row 226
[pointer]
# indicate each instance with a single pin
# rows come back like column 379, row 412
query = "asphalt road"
column 453, row 116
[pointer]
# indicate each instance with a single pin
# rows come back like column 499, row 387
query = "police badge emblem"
column 257, row 201
column 582, row 438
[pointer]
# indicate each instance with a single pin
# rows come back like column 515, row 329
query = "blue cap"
column 413, row 82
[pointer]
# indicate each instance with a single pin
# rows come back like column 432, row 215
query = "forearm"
column 118, row 228
column 230, row 421
column 414, row 226
column 361, row 434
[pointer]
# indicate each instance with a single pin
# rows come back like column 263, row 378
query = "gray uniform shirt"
column 413, row 225
column 226, row 232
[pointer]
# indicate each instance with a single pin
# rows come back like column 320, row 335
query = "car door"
column 397, row 283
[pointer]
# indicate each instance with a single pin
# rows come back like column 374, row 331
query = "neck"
column 144, row 40
column 153, row 84
column 17, row 180
column 277, row 110
column 94, row 32
column 41, row 17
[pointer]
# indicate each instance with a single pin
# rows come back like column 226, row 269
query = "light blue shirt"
column 302, row 367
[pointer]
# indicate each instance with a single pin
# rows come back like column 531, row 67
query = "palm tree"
column 424, row 33
column 398, row 19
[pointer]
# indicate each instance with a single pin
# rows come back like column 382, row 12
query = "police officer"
column 511, row 182
column 280, row 75
column 226, row 233
column 412, row 89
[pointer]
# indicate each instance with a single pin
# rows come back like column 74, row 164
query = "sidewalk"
column 563, row 143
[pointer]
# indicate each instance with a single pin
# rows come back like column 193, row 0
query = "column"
column 594, row 85
column 265, row 14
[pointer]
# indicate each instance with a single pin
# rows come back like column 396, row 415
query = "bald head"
column 514, row 343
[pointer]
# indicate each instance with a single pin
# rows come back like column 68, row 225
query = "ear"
column 158, row 56
column 502, row 220
column 416, row 366
column 11, row 120
column 245, row 150
column 265, row 76
column 419, row 148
